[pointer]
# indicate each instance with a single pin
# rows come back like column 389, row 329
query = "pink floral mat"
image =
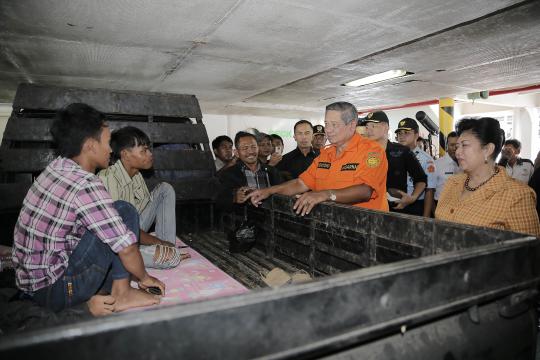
column 195, row 279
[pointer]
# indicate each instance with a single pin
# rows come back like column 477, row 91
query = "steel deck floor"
column 244, row 267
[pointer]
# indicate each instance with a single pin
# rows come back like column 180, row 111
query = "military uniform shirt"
column 428, row 164
column 401, row 164
column 522, row 170
column 444, row 168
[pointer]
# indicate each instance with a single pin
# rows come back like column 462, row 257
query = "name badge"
column 349, row 167
column 324, row 165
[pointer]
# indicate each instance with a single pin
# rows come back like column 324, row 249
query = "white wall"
column 522, row 131
column 395, row 116
column 5, row 111
column 231, row 124
column 215, row 125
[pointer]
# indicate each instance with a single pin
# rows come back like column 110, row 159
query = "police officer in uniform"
column 401, row 162
column 407, row 134
column 319, row 137
column 447, row 165
column 516, row 167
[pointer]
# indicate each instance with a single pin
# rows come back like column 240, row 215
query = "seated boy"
column 123, row 180
column 72, row 244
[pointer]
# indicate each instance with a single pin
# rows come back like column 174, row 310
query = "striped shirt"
column 121, row 186
column 62, row 204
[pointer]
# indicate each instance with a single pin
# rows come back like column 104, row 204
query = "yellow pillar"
column 446, row 122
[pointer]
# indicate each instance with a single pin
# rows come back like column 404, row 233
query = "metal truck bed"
column 387, row 286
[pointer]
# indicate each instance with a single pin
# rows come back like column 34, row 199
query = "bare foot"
column 132, row 298
column 101, row 305
column 185, row 256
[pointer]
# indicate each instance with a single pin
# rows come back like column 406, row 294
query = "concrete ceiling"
column 269, row 57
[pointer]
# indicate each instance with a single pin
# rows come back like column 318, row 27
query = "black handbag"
column 243, row 237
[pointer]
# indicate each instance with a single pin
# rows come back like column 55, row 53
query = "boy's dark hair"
column 276, row 137
column 126, row 138
column 217, row 141
column 300, row 122
column 487, row 130
column 73, row 125
column 452, row 134
column 240, row 135
column 513, row 142
column 262, row 136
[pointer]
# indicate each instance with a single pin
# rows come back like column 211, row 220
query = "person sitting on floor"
column 123, row 180
column 72, row 243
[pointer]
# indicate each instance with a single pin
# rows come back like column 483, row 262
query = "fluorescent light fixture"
column 387, row 75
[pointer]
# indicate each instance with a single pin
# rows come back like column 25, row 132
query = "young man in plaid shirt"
column 72, row 243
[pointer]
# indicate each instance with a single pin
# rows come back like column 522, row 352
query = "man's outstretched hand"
column 258, row 196
column 305, row 202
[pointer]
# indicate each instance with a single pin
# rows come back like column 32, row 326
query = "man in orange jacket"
column 351, row 170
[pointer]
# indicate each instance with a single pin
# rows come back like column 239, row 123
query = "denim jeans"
column 161, row 210
column 92, row 267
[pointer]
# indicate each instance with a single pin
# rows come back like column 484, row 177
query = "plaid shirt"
column 62, row 204
column 501, row 203
column 258, row 179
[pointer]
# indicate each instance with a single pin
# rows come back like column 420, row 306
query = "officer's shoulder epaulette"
column 521, row 161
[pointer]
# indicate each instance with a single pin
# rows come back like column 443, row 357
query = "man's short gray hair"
column 348, row 111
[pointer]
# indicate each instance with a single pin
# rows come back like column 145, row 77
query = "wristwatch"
column 333, row 196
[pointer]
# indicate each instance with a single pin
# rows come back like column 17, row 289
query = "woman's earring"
column 485, row 160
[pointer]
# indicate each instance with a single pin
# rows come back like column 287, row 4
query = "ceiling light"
column 387, row 75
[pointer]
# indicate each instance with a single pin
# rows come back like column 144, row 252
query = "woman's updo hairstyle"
column 486, row 129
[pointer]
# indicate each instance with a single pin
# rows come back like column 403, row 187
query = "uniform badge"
column 324, row 165
column 349, row 167
column 373, row 160
column 431, row 167
column 402, row 123
column 370, row 115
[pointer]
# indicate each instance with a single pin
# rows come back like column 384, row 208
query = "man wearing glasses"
column 351, row 170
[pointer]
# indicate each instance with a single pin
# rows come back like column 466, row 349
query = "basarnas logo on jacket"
column 373, row 159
